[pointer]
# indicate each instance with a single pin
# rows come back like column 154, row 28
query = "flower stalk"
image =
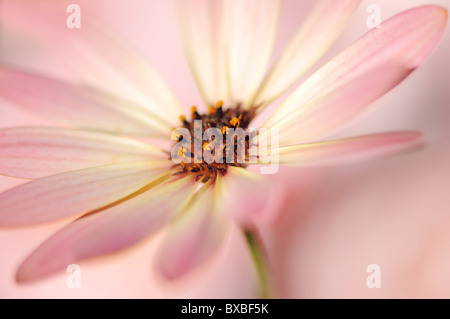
column 259, row 260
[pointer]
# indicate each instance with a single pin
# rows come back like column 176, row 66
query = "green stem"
column 258, row 257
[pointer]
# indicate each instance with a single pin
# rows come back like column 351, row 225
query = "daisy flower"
column 101, row 167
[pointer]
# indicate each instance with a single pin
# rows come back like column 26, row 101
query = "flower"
column 122, row 190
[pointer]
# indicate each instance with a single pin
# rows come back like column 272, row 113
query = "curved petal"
column 248, row 35
column 78, row 106
column 34, row 152
column 250, row 198
column 339, row 107
column 193, row 237
column 75, row 192
column 403, row 41
column 320, row 30
column 348, row 149
column 95, row 54
column 108, row 231
column 199, row 27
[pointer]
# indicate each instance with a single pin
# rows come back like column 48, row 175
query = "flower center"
column 209, row 143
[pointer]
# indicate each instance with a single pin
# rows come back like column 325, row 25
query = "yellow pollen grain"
column 219, row 103
column 211, row 109
column 182, row 118
column 193, row 109
column 234, row 121
column 181, row 152
column 225, row 129
column 207, row 146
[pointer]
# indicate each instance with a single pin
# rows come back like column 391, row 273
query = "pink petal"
column 34, row 152
column 94, row 53
column 200, row 28
column 251, row 199
column 228, row 44
column 320, row 30
column 248, row 34
column 108, row 231
column 78, row 106
column 75, row 193
column 339, row 107
column 349, row 149
column 193, row 237
column 403, row 41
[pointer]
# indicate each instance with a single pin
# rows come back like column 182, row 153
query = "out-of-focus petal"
column 316, row 35
column 339, row 107
column 405, row 40
column 98, row 57
column 109, row 231
column 348, row 149
column 34, row 152
column 193, row 237
column 250, row 198
column 200, row 27
column 78, row 106
column 248, row 35
column 74, row 193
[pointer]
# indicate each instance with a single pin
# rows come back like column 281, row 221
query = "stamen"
column 219, row 108
column 207, row 147
column 195, row 114
column 225, row 130
column 226, row 147
column 234, row 122
column 183, row 119
column 223, row 120
column 178, row 137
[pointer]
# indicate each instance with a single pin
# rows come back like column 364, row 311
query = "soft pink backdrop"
column 393, row 212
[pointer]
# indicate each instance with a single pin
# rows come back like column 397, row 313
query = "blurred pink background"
column 393, row 212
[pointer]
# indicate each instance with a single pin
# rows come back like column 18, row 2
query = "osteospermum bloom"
column 122, row 189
